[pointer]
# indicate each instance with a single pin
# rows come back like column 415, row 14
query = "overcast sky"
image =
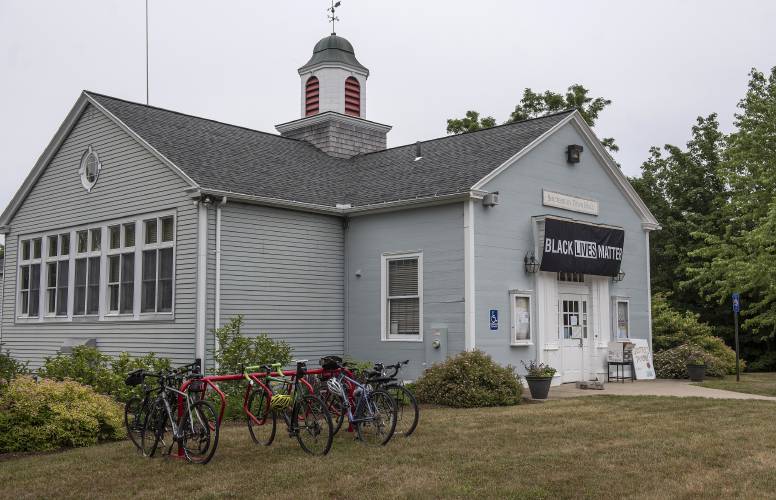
column 662, row 63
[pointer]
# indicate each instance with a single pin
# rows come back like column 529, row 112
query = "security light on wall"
column 531, row 264
column 573, row 153
column 620, row 276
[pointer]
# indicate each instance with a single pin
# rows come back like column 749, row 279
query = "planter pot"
column 696, row 372
column 539, row 386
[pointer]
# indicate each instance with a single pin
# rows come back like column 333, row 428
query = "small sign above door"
column 567, row 202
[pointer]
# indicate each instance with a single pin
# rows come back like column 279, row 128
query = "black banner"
column 574, row 247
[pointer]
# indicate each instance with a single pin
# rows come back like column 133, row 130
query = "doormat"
column 592, row 384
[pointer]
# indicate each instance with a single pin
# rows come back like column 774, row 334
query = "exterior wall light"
column 531, row 264
column 573, row 152
column 620, row 276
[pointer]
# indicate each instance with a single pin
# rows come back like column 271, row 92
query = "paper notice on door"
column 573, row 320
column 522, row 317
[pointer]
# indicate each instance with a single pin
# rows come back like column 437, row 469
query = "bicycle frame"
column 351, row 400
column 176, row 429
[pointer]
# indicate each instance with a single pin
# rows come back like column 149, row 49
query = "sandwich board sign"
column 642, row 360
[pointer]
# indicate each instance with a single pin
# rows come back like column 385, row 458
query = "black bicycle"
column 408, row 412
column 194, row 427
column 137, row 408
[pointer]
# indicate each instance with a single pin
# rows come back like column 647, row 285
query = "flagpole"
column 146, row 43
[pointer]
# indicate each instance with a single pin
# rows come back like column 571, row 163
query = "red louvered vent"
column 311, row 96
column 352, row 97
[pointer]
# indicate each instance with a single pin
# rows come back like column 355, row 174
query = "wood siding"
column 283, row 270
column 132, row 183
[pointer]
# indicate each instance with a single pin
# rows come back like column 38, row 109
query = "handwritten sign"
column 642, row 360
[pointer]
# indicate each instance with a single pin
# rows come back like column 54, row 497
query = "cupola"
column 333, row 103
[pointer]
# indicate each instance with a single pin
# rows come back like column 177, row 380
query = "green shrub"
column 48, row 414
column 672, row 363
column 10, row 369
column 104, row 373
column 672, row 329
column 468, row 380
column 236, row 351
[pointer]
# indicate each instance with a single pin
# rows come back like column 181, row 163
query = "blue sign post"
column 493, row 319
column 736, row 310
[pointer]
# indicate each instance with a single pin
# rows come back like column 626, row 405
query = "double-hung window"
column 402, row 305
column 29, row 277
column 57, row 273
column 86, row 295
column 157, row 275
column 121, row 268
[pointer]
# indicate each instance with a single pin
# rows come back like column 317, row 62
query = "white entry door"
column 574, row 336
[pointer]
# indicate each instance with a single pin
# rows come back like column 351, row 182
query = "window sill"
column 521, row 343
column 418, row 339
column 551, row 347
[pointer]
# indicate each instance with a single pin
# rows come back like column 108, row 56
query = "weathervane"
column 331, row 14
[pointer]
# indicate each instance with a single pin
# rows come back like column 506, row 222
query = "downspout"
column 201, row 280
column 346, row 278
column 468, row 266
column 649, row 290
column 217, row 322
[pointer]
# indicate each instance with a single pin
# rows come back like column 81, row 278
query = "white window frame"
column 385, row 335
column 121, row 250
column 156, row 247
column 513, row 313
column 20, row 262
column 56, row 259
column 103, row 254
column 615, row 318
column 88, row 254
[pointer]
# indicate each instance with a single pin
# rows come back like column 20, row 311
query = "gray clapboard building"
column 141, row 229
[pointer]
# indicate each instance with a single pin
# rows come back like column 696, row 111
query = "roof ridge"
column 90, row 92
column 565, row 111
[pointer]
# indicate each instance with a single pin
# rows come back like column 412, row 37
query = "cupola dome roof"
column 334, row 49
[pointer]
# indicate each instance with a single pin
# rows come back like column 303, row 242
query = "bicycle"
column 194, row 426
column 407, row 406
column 137, row 407
column 371, row 411
column 305, row 415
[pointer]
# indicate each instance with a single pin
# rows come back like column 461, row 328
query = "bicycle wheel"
column 135, row 414
column 376, row 418
column 407, row 411
column 200, row 432
column 263, row 431
column 312, row 425
column 336, row 409
column 153, row 430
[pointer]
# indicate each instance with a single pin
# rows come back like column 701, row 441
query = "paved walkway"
column 679, row 388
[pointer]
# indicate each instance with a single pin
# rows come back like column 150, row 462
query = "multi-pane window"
column 403, row 305
column 121, row 269
column 571, row 277
column 57, row 273
column 29, row 277
column 93, row 272
column 86, row 297
column 159, row 236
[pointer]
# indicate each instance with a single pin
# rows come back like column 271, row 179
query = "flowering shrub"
column 47, row 415
column 470, row 379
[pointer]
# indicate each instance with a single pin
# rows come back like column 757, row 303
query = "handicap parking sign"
column 494, row 319
column 736, row 302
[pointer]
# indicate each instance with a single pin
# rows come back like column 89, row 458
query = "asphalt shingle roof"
column 225, row 157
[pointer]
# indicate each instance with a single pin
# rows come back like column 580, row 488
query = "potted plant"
column 539, row 378
column 696, row 367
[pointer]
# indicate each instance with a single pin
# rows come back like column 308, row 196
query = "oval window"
column 90, row 168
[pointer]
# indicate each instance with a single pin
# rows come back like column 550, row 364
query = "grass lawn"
column 751, row 383
column 591, row 447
